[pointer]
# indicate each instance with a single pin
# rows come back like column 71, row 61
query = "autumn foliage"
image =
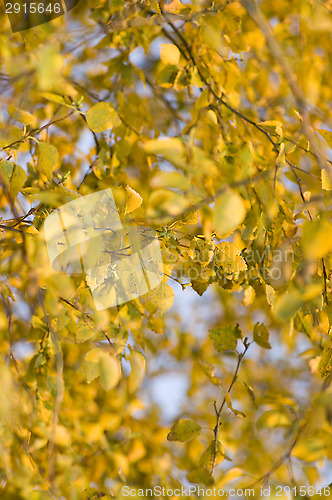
column 211, row 123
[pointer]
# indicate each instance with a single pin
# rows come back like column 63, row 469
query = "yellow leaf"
column 201, row 476
column 161, row 298
column 58, row 99
column 48, row 65
column 209, row 371
column 228, row 257
column 83, row 332
column 249, row 296
column 286, row 306
column 327, row 135
column 47, row 158
column 62, row 436
column 281, row 160
column 225, row 338
column 229, row 212
column 172, row 148
column 110, row 371
column 271, row 419
column 138, row 368
column 164, row 203
column 213, row 451
column 134, row 200
column 184, row 430
column 101, row 117
column 21, row 116
column 171, row 179
column 261, row 335
column 169, row 54
column 326, row 183
column 317, row 238
column 97, row 363
column 155, row 5
column 228, row 400
column 14, row 134
column 270, row 295
column 14, row 176
column 310, row 449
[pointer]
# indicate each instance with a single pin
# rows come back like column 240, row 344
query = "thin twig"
column 220, row 409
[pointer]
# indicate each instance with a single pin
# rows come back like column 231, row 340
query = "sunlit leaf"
column 47, row 158
column 261, row 335
column 184, row 430
column 169, row 54
column 101, row 117
column 134, row 200
column 138, row 369
column 228, row 213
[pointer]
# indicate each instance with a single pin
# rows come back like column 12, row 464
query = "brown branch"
column 188, row 54
column 10, row 228
column 220, row 409
column 36, row 131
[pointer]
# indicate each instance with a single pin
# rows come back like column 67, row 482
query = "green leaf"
column 47, row 158
column 261, row 335
column 6, row 169
column 60, row 320
column 228, row 213
column 225, row 339
column 101, row 117
column 184, row 430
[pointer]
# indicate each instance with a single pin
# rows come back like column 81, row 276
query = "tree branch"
column 220, row 409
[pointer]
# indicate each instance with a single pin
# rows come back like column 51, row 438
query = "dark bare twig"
column 220, row 409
